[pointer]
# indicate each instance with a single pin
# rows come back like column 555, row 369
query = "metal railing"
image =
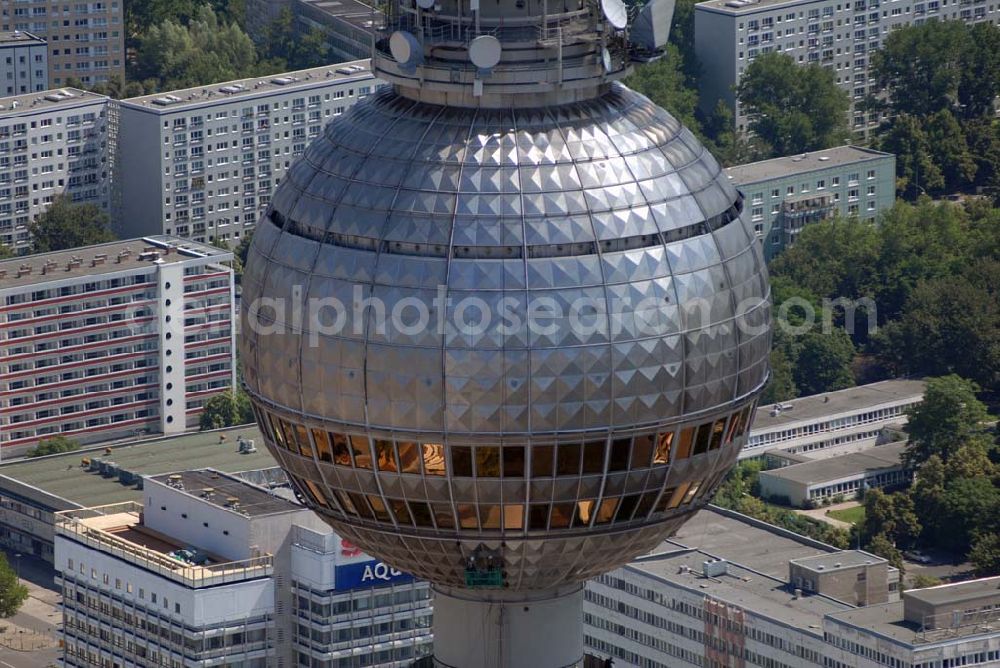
column 74, row 525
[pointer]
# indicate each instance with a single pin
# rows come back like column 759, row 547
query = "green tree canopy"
column 67, row 225
column 5, row 252
column 663, row 82
column 824, row 362
column 53, row 446
column 793, row 108
column 949, row 416
column 13, row 593
column 985, row 554
column 227, row 410
column 971, row 506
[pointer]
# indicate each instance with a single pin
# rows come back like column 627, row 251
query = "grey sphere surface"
column 534, row 334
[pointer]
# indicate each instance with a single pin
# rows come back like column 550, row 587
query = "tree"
column 916, row 170
column 951, row 151
column 906, row 522
column 793, row 108
column 227, row 409
column 928, row 498
column 879, row 515
column 948, row 417
column 663, row 82
column 67, row 225
column 5, row 252
column 970, row 507
column 985, row 554
column 12, row 593
column 824, row 362
column 881, row 545
column 241, row 253
column 923, row 581
column 53, row 446
column 781, row 386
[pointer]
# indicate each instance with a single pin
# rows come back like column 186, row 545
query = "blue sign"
column 367, row 574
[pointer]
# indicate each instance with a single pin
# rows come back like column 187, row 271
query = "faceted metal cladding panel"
column 610, row 204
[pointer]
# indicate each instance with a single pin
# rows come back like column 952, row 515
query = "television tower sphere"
column 505, row 322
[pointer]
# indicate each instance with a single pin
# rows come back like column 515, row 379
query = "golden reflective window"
column 409, row 457
column 715, row 442
column 620, row 448
column 642, row 450
column 562, row 515
column 378, row 507
column 542, row 460
column 684, row 444
column 467, row 516
column 302, row 436
column 692, row 491
column 668, row 494
column 385, row 455
column 289, row 434
column 513, row 461
column 275, row 424
column 434, row 460
column 461, row 461
column 316, row 493
column 323, row 450
column 345, row 502
column 359, row 448
column 664, row 441
column 401, row 512
column 488, row 461
column 678, row 496
column 341, row 449
column 607, row 510
column 584, row 512
column 734, row 423
column 360, row 505
column 443, row 516
column 513, row 517
column 593, row 457
column 568, row 459
column 490, row 514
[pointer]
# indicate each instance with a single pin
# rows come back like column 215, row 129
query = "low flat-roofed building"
column 32, row 490
column 833, row 423
column 718, row 594
column 853, row 576
column 957, row 604
column 848, row 476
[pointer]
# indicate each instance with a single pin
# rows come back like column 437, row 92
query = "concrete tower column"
column 508, row 629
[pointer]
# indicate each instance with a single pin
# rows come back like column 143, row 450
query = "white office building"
column 732, row 591
column 113, row 340
column 52, row 142
column 833, row 423
column 837, row 34
column 201, row 163
column 212, row 571
column 23, row 63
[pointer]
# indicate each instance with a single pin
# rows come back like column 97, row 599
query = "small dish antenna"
column 606, row 59
column 615, row 12
column 484, row 52
column 406, row 49
column 425, row 4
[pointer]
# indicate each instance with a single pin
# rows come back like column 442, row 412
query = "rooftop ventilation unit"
column 235, row 88
column 166, row 100
column 59, row 96
column 284, row 81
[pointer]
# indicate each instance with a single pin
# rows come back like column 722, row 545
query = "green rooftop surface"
column 63, row 476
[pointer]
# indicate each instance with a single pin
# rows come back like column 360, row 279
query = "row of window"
column 507, row 461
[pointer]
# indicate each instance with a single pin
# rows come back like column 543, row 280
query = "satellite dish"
column 606, row 59
column 406, row 49
column 425, row 4
column 615, row 12
column 484, row 52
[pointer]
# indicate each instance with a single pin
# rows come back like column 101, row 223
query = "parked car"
column 918, row 557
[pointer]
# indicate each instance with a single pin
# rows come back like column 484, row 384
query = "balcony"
column 118, row 530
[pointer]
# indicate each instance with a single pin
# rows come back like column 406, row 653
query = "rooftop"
column 749, row 589
column 106, row 258
column 745, row 6
column 958, row 592
column 853, row 399
column 757, row 546
column 835, row 468
column 19, row 36
column 358, row 14
column 225, row 491
column 837, row 560
column 791, row 165
column 170, row 101
column 63, row 477
column 887, row 620
column 29, row 103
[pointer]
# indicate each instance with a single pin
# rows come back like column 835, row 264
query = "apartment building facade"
column 24, row 64
column 210, row 571
column 86, row 40
column 202, row 163
column 51, row 143
column 838, row 34
column 787, row 194
column 113, row 340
